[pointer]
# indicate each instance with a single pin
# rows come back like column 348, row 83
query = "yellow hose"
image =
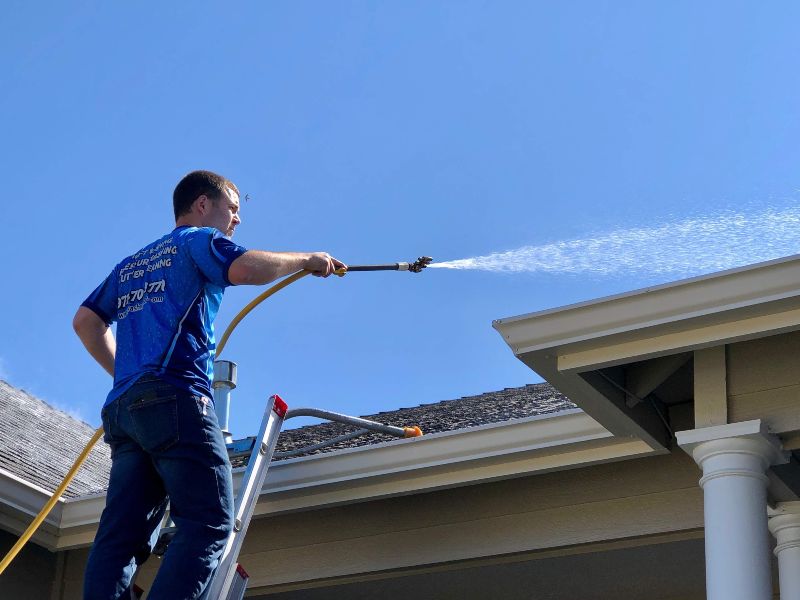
column 50, row 503
column 255, row 302
column 11, row 555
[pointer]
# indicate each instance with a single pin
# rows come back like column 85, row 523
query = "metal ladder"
column 229, row 581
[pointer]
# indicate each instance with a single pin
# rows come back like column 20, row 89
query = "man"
column 159, row 418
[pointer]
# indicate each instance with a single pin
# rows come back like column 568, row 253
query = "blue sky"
column 377, row 131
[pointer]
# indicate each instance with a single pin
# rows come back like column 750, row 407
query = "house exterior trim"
column 542, row 443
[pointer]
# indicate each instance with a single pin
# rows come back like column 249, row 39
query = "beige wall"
column 764, row 382
column 560, row 513
column 672, row 570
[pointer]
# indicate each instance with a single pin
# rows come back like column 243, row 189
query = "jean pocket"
column 155, row 420
column 109, row 418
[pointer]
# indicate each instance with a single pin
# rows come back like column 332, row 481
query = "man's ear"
column 202, row 204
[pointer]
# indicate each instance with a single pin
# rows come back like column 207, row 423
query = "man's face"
column 224, row 213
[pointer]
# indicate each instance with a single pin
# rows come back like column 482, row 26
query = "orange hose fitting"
column 414, row 431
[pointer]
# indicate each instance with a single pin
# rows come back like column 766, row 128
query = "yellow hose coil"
column 11, row 555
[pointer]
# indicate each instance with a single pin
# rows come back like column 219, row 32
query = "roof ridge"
column 470, row 397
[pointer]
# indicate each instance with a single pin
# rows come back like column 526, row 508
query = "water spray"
column 680, row 248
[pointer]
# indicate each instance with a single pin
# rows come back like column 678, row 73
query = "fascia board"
column 743, row 289
column 542, row 443
column 79, row 519
column 84, row 510
column 20, row 502
column 538, row 432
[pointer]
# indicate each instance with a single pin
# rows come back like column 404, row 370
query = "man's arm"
column 256, row 267
column 96, row 337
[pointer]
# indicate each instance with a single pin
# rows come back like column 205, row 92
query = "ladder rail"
column 224, row 578
column 229, row 580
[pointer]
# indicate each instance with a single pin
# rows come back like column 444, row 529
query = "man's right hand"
column 322, row 264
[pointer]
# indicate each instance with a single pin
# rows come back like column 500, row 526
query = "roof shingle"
column 448, row 415
column 39, row 443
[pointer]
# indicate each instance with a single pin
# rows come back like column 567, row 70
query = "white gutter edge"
column 700, row 279
column 732, row 290
column 26, row 497
column 19, row 481
column 21, row 501
column 445, row 448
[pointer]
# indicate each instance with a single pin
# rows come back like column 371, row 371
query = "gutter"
column 733, row 305
column 21, row 501
column 519, row 447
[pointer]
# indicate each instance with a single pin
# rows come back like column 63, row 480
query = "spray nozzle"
column 419, row 264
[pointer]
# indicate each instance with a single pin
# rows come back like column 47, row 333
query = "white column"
column 784, row 523
column 734, row 459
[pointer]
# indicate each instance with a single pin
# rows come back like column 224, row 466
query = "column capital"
column 747, row 437
column 784, row 508
column 784, row 523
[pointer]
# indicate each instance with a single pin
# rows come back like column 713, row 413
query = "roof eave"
column 756, row 300
column 20, row 504
column 566, row 344
column 543, row 443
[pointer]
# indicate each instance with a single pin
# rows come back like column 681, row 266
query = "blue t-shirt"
column 164, row 299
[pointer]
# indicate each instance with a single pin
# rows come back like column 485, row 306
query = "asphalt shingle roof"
column 39, row 443
column 448, row 415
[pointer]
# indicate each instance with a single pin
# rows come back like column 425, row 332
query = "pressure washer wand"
column 415, row 267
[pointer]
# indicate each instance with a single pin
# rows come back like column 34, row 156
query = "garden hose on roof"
column 415, row 267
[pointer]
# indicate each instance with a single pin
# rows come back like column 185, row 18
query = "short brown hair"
column 194, row 185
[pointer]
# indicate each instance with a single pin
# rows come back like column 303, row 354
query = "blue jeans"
column 165, row 445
